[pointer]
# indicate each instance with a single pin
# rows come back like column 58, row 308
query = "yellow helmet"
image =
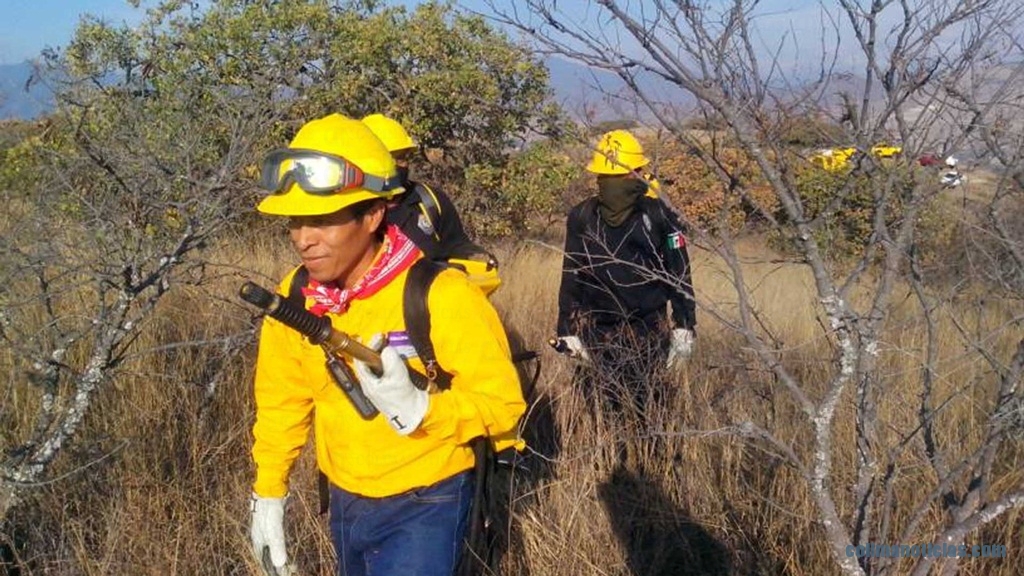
column 333, row 162
column 618, row 152
column 390, row 132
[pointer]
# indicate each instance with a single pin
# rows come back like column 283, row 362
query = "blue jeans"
column 417, row 533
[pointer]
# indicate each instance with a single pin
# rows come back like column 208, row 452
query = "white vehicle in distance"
column 952, row 179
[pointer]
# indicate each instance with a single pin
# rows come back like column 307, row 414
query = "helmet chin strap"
column 403, row 174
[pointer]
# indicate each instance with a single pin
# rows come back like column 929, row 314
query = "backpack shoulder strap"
column 299, row 281
column 417, row 317
column 429, row 205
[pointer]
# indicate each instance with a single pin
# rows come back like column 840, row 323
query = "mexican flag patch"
column 676, row 241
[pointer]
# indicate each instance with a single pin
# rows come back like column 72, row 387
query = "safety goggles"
column 317, row 173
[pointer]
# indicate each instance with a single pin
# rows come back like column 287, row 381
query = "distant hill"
column 602, row 95
column 589, row 94
column 580, row 90
column 19, row 99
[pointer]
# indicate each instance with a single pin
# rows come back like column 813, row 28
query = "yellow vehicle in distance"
column 886, row 150
column 838, row 159
column 833, row 159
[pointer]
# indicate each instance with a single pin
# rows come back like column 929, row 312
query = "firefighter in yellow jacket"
column 401, row 482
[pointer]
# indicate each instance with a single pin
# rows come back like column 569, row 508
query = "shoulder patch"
column 424, row 224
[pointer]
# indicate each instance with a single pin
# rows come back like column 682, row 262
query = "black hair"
column 362, row 208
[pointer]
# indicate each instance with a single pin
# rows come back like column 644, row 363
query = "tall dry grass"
column 159, row 482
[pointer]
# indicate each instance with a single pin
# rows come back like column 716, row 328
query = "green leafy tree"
column 460, row 87
column 526, row 193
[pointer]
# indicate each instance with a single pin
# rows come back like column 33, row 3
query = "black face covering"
column 403, row 175
column 617, row 196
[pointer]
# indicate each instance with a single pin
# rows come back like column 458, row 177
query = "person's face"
column 402, row 158
column 336, row 247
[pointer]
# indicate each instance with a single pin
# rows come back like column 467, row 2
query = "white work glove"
column 680, row 347
column 403, row 404
column 574, row 347
column 267, row 531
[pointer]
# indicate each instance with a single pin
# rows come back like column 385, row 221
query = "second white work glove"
column 574, row 347
column 680, row 347
column 401, row 403
column 267, row 534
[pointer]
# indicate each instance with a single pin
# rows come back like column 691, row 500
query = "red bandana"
column 397, row 254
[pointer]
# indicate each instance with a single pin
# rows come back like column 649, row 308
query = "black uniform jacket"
column 624, row 274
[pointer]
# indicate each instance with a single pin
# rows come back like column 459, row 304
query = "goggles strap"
column 378, row 184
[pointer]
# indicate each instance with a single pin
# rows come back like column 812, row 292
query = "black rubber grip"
column 316, row 328
column 254, row 294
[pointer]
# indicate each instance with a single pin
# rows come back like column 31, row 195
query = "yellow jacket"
column 368, row 457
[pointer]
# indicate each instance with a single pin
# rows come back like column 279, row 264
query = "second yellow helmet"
column 390, row 132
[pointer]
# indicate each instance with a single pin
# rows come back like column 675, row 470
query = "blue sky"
column 28, row 26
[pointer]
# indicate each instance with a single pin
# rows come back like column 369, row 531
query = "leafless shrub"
column 931, row 76
column 130, row 189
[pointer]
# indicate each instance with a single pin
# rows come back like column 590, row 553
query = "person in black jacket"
column 625, row 262
column 425, row 214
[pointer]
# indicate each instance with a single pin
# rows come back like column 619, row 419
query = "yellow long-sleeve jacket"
column 368, row 457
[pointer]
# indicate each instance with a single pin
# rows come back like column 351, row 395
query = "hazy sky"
column 28, row 26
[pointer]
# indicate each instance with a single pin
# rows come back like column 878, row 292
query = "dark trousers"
column 417, row 533
column 626, row 371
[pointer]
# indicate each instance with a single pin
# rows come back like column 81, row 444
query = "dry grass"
column 159, row 483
